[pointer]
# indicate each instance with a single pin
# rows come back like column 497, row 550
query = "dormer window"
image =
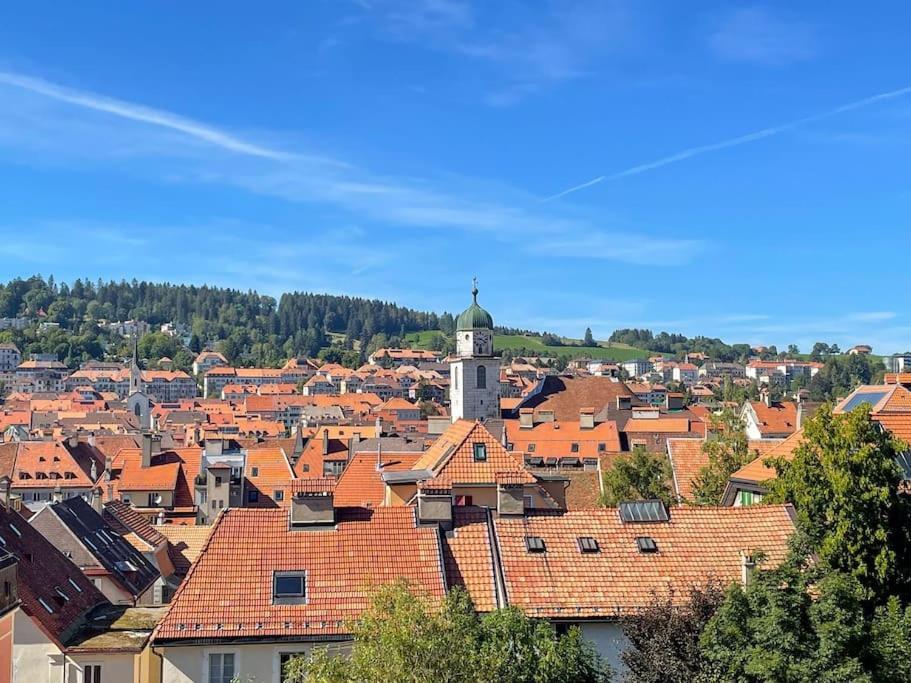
column 535, row 544
column 289, row 588
column 480, row 452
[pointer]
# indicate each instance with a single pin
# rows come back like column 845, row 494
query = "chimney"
column 108, row 466
column 586, row 418
column 93, row 472
column 799, row 413
column 325, row 441
column 96, row 500
column 312, row 502
column 110, row 492
column 526, row 418
column 747, row 568
column 57, row 495
column 546, row 415
column 352, row 445
column 379, row 427
column 766, row 397
column 146, row 450
column 5, row 485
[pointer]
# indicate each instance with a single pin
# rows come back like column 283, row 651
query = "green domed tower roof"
column 474, row 317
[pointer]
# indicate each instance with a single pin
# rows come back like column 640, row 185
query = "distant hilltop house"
column 860, row 350
column 129, row 328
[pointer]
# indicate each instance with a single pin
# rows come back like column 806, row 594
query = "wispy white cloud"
column 755, row 136
column 869, row 316
column 76, row 127
column 539, row 45
column 760, row 36
column 136, row 112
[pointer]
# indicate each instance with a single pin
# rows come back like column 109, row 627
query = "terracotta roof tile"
column 696, row 544
column 226, row 598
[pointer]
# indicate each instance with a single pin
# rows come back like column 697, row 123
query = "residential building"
column 636, row 367
column 207, row 360
column 396, row 357
column 766, row 419
column 10, row 357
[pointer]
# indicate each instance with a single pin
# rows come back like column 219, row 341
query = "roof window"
column 480, row 452
column 646, row 544
column 535, row 544
column 50, row 610
column 643, row 511
column 587, row 544
column 289, row 588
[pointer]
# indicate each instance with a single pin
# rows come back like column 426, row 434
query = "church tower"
column 137, row 402
column 474, row 378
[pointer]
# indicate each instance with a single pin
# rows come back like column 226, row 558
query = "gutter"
column 499, row 581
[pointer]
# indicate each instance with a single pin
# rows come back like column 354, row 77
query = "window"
column 602, row 447
column 278, row 495
column 480, row 452
column 284, row 658
column 91, row 673
column 462, row 501
column 455, row 379
column 289, row 588
column 255, row 472
column 528, row 502
column 221, row 667
column 252, row 496
column 574, row 448
column 75, row 585
column 535, row 544
column 482, row 377
column 646, row 544
column 49, row 609
column 531, row 448
column 218, row 481
column 749, row 497
column 587, row 544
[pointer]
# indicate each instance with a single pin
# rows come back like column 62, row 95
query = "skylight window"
column 587, row 544
column 480, row 452
column 646, row 544
column 643, row 511
column 15, row 530
column 60, row 592
column 50, row 610
column 535, row 544
column 75, row 585
column 289, row 588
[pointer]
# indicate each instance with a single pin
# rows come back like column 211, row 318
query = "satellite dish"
column 158, row 499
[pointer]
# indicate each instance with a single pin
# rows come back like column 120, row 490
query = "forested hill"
column 248, row 326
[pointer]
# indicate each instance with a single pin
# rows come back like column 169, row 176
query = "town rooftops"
column 332, row 572
column 127, row 567
column 53, row 590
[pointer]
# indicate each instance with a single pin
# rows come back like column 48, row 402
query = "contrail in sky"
column 733, row 142
column 136, row 112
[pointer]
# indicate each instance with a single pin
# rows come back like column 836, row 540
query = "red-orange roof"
column 225, row 596
column 556, row 438
column 696, row 544
column 361, row 484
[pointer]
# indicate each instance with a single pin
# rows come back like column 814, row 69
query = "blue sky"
column 736, row 170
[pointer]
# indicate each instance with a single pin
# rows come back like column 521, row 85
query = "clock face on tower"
column 481, row 343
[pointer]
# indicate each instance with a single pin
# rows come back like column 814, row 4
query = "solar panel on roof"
column 643, row 511
column 871, row 397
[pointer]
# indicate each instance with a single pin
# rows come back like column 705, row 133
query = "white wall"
column 114, row 667
column 254, row 662
column 32, row 651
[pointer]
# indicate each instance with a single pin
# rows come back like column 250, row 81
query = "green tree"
column 589, row 340
column 727, row 449
column 663, row 639
column 638, row 476
column 402, row 637
column 845, row 485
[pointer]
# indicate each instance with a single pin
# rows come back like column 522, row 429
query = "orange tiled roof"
column 779, row 418
column 50, row 461
column 361, row 485
column 687, row 460
column 757, row 470
column 467, row 556
column 452, row 456
column 696, row 544
column 226, row 598
column 556, row 438
column 657, row 425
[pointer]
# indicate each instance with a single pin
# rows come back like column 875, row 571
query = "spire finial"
column 474, row 289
